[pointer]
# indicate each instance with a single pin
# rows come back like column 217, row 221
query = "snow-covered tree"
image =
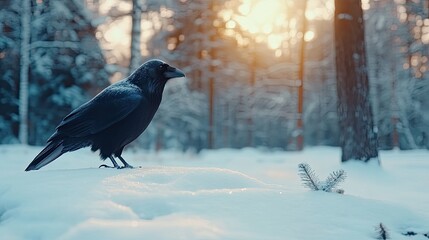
column 67, row 64
column 412, row 85
column 9, row 70
column 177, row 123
column 397, row 45
column 382, row 68
column 187, row 39
column 320, row 99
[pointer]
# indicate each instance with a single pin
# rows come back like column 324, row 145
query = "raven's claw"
column 126, row 166
column 118, row 167
column 105, row 166
column 115, row 165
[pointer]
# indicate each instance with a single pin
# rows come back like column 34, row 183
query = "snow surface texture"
column 223, row 194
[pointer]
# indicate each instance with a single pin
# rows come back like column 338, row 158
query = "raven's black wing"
column 108, row 107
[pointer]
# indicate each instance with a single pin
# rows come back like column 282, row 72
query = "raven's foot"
column 126, row 166
column 115, row 165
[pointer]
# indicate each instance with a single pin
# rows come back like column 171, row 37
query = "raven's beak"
column 173, row 72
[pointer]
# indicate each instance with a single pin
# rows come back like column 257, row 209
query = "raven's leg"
column 126, row 165
column 115, row 165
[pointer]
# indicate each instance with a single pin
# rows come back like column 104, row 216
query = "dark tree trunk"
column 299, row 124
column 211, row 81
column 358, row 139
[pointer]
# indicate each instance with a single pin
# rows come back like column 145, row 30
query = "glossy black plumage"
column 113, row 118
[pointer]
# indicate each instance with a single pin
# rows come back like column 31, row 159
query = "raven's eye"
column 163, row 67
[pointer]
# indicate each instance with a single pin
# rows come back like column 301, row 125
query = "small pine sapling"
column 335, row 178
column 308, row 177
column 382, row 232
column 310, row 180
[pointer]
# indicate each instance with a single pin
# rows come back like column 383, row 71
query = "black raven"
column 113, row 118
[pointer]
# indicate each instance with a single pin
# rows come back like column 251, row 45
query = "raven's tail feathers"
column 51, row 152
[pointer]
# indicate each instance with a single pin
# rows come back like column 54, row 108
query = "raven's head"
column 153, row 74
column 161, row 70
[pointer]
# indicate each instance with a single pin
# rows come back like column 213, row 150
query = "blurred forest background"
column 244, row 62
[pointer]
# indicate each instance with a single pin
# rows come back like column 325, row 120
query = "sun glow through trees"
column 265, row 22
column 261, row 16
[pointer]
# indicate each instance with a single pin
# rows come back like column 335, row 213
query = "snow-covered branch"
column 55, row 44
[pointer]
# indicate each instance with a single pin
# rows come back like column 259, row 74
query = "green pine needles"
column 311, row 181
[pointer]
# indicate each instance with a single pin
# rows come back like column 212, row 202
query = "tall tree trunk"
column 252, row 80
column 299, row 124
column 135, row 59
column 357, row 137
column 211, row 80
column 25, row 62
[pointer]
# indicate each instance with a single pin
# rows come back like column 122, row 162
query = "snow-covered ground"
column 223, row 194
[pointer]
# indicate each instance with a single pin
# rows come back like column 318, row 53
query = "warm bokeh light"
column 261, row 17
column 272, row 22
column 319, row 10
column 274, row 41
column 365, row 4
column 116, row 37
column 309, row 35
column 118, row 33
